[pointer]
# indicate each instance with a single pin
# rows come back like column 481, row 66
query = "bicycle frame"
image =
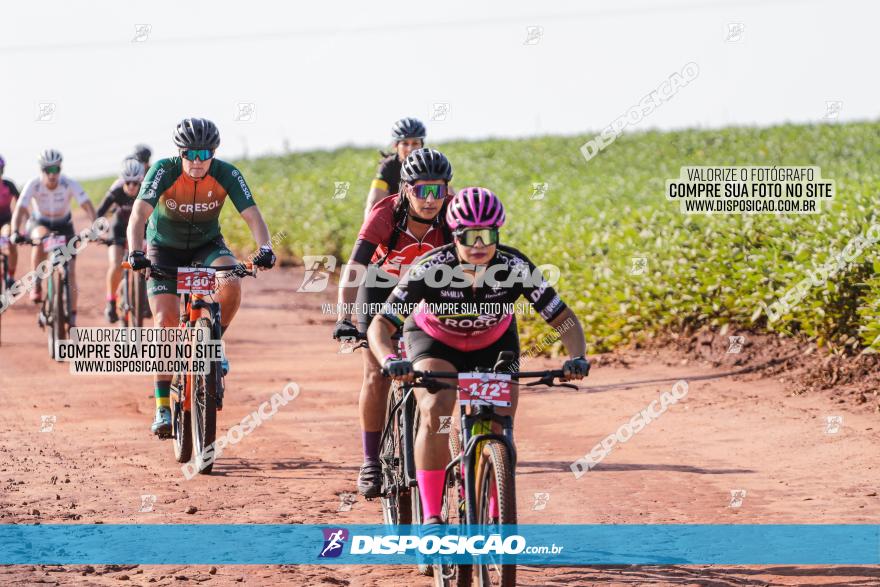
column 193, row 306
column 469, row 456
column 406, row 406
column 45, row 309
column 470, row 434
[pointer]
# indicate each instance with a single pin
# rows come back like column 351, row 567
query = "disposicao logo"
column 334, row 539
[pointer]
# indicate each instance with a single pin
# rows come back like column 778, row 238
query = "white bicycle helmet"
column 132, row 170
column 50, row 157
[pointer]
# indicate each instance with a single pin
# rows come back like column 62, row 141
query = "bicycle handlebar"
column 430, row 380
column 240, row 269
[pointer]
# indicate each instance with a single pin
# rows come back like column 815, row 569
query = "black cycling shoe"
column 110, row 312
column 370, row 479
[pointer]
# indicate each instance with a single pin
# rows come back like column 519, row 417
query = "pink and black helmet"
column 475, row 207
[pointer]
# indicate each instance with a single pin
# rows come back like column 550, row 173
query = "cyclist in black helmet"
column 180, row 202
column 397, row 231
column 142, row 153
column 407, row 134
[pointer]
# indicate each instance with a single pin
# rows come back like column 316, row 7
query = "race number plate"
column 195, row 280
column 485, row 388
column 54, row 242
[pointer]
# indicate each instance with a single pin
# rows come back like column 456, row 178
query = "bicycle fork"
column 477, row 430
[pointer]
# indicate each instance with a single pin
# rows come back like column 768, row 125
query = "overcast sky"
column 319, row 75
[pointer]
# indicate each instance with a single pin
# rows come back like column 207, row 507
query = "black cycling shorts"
column 60, row 225
column 204, row 255
column 420, row 345
column 117, row 234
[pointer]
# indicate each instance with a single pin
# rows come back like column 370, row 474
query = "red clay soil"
column 732, row 432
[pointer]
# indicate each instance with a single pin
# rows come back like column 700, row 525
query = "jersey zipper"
column 192, row 215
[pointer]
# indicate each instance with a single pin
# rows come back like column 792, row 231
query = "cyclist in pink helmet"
column 474, row 207
column 460, row 340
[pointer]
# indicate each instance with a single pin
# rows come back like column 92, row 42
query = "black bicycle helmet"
column 426, row 165
column 408, row 128
column 142, row 153
column 196, row 133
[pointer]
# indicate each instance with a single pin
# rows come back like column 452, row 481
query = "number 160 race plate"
column 195, row 280
column 486, row 388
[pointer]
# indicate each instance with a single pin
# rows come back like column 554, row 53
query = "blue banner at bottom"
column 643, row 544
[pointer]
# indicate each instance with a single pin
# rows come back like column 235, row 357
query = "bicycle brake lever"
column 550, row 381
column 546, row 380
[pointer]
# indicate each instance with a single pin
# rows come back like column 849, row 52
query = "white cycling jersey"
column 52, row 204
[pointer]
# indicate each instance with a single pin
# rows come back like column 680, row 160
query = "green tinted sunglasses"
column 468, row 236
column 438, row 191
column 193, row 154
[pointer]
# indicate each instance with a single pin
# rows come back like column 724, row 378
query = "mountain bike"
column 400, row 493
column 196, row 397
column 131, row 296
column 56, row 306
column 480, row 477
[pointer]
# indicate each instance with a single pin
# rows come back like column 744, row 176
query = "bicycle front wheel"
column 181, row 420
column 57, row 311
column 496, row 505
column 396, row 506
column 137, row 290
column 204, row 412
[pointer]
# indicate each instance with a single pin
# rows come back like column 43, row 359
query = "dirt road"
column 730, row 434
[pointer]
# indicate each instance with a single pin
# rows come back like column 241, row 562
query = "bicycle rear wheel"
column 396, row 504
column 495, row 480
column 204, row 412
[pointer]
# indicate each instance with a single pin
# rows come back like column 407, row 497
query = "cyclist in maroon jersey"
column 398, row 229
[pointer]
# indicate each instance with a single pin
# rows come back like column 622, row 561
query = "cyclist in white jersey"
column 45, row 205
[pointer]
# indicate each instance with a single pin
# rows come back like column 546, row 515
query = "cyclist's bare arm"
column 90, row 210
column 134, row 233
column 376, row 194
column 20, row 214
column 571, row 333
column 254, row 219
column 379, row 336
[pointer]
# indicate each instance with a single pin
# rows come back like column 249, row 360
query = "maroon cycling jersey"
column 378, row 230
column 8, row 191
column 445, row 305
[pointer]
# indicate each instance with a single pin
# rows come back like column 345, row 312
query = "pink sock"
column 111, row 298
column 493, row 502
column 431, row 490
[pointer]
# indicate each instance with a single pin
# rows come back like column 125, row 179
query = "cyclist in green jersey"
column 180, row 202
